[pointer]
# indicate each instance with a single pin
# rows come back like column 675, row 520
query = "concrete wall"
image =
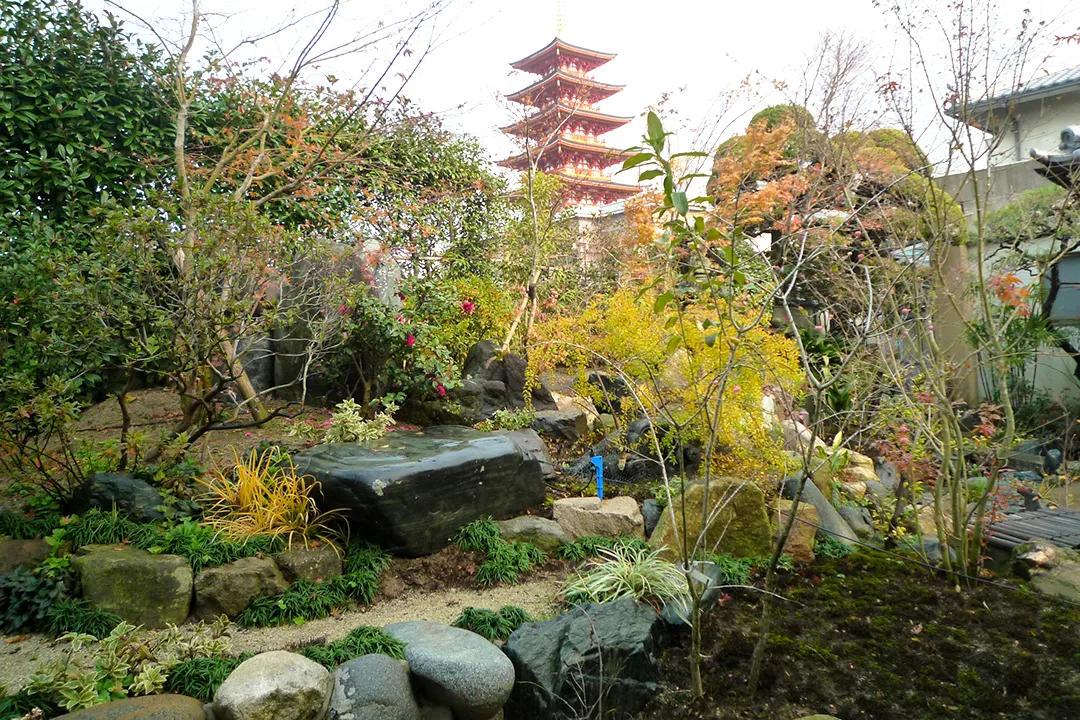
column 996, row 186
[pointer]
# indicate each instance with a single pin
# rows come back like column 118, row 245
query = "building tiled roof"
column 1040, row 86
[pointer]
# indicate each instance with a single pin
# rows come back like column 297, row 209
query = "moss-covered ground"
column 868, row 636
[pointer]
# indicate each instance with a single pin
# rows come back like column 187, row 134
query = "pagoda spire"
column 562, row 127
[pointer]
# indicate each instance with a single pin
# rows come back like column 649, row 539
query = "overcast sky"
column 694, row 49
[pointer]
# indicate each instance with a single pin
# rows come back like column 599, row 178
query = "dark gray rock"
column 612, row 389
column 229, row 589
column 456, row 668
column 564, row 666
column 568, row 425
column 137, row 499
column 373, row 687
column 651, row 511
column 414, row 491
column 1052, row 461
column 26, row 554
column 830, row 521
column 495, row 382
column 545, row 534
column 877, row 492
column 888, row 474
column 858, row 519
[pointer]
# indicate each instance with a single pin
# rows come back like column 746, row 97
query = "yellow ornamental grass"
column 260, row 498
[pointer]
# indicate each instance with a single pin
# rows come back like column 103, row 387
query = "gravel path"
column 19, row 659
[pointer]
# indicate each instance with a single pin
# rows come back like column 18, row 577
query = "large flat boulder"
column 229, row 589
column 565, row 665
column 413, row 490
column 739, row 522
column 275, row 685
column 456, row 668
column 144, row 589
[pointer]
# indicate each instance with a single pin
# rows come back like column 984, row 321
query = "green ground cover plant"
column 364, row 640
column 493, row 624
column 306, row 600
column 591, row 546
column 506, row 561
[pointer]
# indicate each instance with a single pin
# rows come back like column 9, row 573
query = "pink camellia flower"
column 858, row 233
column 441, row 390
column 410, row 340
column 467, row 307
column 819, row 328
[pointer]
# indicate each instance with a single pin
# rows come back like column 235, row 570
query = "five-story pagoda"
column 563, row 130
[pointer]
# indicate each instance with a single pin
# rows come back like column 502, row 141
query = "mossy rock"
column 144, row 589
column 740, row 525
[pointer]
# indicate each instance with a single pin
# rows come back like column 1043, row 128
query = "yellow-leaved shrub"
column 681, row 379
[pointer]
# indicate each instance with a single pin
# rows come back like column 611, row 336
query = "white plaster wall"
column 1040, row 122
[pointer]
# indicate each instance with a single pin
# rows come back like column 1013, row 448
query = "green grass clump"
column 591, row 546
column 362, row 555
column 505, row 561
column 491, row 624
column 364, row 640
column 480, row 535
column 200, row 677
column 80, row 616
column 306, row 600
column 17, row 526
column 201, row 545
column 833, row 547
column 20, row 704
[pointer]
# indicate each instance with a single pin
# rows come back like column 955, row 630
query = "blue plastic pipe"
column 598, row 463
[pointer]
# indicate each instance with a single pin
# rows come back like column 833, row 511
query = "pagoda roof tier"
column 548, row 57
column 600, row 191
column 597, row 151
column 547, row 88
column 554, row 115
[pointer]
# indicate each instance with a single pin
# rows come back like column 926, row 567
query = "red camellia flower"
column 467, row 307
column 441, row 390
column 410, row 340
